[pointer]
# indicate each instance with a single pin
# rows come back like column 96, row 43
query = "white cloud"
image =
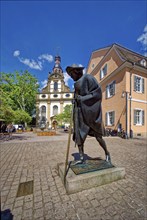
column 16, row 53
column 66, row 78
column 143, row 39
column 84, row 70
column 34, row 64
column 80, row 65
column 47, row 57
column 44, row 83
column 31, row 63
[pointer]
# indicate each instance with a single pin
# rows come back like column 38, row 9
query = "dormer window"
column 103, row 72
column 143, row 62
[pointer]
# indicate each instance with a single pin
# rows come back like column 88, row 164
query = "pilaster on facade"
column 61, row 105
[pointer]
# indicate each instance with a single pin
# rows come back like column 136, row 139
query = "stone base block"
column 77, row 183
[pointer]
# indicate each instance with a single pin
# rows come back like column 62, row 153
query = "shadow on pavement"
column 15, row 136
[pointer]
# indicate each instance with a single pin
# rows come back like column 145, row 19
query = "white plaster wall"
column 52, row 86
column 59, row 84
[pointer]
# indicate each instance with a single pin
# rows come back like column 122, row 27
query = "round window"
column 55, row 96
column 92, row 65
column 43, row 96
column 67, row 95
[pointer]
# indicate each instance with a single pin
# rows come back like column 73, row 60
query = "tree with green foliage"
column 65, row 116
column 18, row 92
column 7, row 114
column 22, row 116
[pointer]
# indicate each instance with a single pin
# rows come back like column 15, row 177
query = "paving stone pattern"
column 36, row 159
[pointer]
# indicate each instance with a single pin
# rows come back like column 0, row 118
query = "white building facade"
column 53, row 98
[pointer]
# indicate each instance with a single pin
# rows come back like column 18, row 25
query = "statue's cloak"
column 87, row 115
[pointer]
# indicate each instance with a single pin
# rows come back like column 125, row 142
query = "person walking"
column 9, row 130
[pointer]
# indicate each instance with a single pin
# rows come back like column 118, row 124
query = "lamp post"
column 131, row 132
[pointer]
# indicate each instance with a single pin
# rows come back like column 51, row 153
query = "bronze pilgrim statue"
column 87, row 111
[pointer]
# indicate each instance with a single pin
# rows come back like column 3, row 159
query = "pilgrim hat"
column 74, row 67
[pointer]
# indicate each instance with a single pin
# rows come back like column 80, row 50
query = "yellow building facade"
column 122, row 74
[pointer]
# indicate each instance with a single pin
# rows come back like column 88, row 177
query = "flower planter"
column 46, row 133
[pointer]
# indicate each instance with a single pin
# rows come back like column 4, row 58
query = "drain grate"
column 25, row 189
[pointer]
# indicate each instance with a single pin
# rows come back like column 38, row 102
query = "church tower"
column 53, row 98
column 57, row 67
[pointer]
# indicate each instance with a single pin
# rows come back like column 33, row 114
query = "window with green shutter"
column 138, row 84
column 110, row 118
column 135, row 79
column 103, row 71
column 142, row 85
column 110, row 89
column 138, row 117
column 106, row 119
column 143, row 117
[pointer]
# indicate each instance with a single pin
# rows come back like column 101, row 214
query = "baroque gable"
column 54, row 97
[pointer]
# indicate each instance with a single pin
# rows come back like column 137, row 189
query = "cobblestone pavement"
column 35, row 158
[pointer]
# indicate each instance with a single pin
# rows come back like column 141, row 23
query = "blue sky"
column 33, row 32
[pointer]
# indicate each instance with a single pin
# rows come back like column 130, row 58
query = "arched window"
column 55, row 86
column 43, row 110
column 55, row 110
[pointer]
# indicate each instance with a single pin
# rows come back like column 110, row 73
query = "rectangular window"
column 55, row 86
column 138, row 84
column 110, row 90
column 110, row 118
column 103, row 71
column 55, row 110
column 138, row 117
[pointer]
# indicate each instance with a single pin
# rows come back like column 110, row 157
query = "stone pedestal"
column 76, row 183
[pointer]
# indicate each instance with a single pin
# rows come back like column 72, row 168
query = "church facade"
column 53, row 98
